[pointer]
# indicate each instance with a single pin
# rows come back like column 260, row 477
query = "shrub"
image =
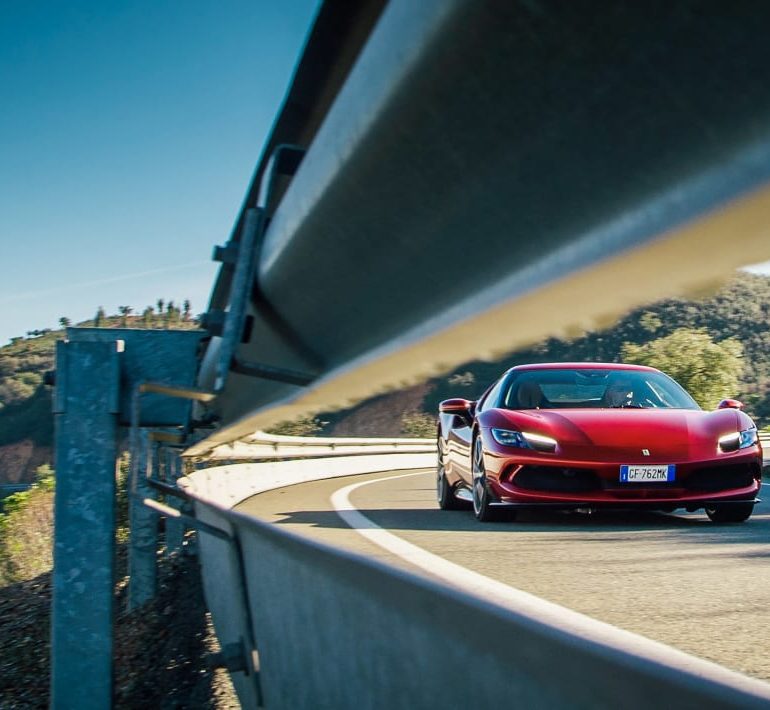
column 304, row 426
column 462, row 379
column 26, row 530
column 418, row 424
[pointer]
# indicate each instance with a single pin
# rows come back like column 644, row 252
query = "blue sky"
column 128, row 135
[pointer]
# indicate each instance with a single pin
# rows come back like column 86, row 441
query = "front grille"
column 556, row 479
column 719, row 478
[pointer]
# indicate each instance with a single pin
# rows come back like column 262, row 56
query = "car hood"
column 669, row 435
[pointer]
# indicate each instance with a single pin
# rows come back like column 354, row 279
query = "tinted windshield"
column 599, row 388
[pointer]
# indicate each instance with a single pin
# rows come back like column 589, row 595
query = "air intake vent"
column 556, row 479
column 719, row 478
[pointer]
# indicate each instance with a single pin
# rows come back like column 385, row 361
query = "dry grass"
column 160, row 650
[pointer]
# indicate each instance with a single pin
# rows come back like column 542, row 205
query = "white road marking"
column 535, row 608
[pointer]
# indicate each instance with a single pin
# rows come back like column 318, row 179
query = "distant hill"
column 741, row 309
column 26, row 423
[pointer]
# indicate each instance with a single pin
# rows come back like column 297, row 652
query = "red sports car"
column 589, row 435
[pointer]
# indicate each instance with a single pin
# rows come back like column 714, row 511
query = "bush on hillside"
column 304, row 426
column 740, row 311
column 419, row 425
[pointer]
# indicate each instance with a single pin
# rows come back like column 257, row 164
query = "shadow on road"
column 605, row 525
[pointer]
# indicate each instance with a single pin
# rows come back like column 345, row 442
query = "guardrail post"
column 142, row 562
column 86, row 406
column 174, row 526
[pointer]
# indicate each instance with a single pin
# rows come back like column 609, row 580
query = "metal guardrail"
column 456, row 198
column 272, row 446
column 310, row 626
column 224, row 576
column 764, row 439
column 7, row 489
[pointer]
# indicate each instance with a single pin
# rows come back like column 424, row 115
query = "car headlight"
column 506, row 437
column 738, row 440
column 524, row 440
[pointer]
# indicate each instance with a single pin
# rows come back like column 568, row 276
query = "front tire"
column 734, row 513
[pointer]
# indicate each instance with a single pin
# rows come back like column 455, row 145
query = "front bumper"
column 536, row 480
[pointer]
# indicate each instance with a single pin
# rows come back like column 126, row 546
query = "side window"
column 489, row 400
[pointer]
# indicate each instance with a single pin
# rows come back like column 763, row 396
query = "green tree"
column 708, row 370
column 147, row 317
column 187, row 312
column 125, row 312
column 64, row 322
column 173, row 313
column 100, row 318
column 650, row 322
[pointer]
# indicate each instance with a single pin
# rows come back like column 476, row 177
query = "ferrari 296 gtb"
column 590, row 436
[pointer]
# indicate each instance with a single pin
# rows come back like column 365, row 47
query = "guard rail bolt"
column 227, row 254
column 214, row 322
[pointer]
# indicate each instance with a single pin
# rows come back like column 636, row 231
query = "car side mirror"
column 730, row 404
column 460, row 407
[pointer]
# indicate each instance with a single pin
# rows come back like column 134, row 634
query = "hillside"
column 741, row 309
column 26, row 424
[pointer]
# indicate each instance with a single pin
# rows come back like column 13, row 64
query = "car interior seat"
column 529, row 395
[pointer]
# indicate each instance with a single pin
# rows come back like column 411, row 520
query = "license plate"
column 647, row 474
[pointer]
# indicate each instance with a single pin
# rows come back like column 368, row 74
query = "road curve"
column 678, row 579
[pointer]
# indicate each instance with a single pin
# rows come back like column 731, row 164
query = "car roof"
column 582, row 366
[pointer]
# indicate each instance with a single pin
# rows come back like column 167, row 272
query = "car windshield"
column 594, row 388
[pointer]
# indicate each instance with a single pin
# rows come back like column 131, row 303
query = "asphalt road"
column 679, row 579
